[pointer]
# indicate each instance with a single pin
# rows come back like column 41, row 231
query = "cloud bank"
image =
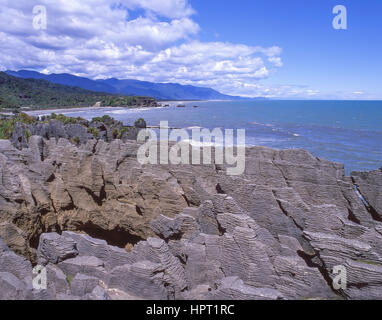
column 153, row 40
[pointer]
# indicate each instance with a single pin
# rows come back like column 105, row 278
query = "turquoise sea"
column 348, row 132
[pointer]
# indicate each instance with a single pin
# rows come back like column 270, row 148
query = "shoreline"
column 41, row 112
column 171, row 103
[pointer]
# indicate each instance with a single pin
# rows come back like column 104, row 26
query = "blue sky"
column 283, row 49
column 314, row 53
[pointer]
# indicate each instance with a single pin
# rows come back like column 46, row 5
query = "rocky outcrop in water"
column 107, row 227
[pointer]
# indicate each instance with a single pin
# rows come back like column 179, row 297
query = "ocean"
column 348, row 132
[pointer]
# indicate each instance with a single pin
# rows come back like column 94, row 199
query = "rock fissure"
column 373, row 212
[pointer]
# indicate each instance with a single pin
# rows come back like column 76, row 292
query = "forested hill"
column 17, row 93
column 160, row 91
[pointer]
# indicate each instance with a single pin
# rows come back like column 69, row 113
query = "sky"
column 281, row 49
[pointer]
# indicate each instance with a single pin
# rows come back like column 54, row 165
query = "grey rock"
column 98, row 293
column 54, row 248
column 142, row 280
column 14, row 237
column 201, row 292
column 341, row 248
column 90, row 266
column 17, row 265
column 233, row 288
column 369, row 185
column 366, row 276
column 158, row 252
column 67, row 297
column 45, row 295
column 183, row 226
column 11, row 287
column 198, row 269
column 167, row 227
column 77, row 131
column 207, row 218
column 57, row 130
column 275, row 232
column 19, row 138
column 83, row 284
column 56, row 280
column 3, row 247
column 88, row 246
column 295, row 280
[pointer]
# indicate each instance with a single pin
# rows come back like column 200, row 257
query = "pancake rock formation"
column 106, row 227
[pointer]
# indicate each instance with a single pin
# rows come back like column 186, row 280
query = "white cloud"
column 165, row 8
column 100, row 39
column 277, row 62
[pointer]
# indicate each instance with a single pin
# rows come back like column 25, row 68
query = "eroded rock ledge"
column 107, row 227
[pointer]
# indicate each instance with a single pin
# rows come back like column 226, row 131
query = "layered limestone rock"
column 369, row 184
column 107, row 227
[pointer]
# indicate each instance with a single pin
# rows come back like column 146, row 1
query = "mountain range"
column 160, row 91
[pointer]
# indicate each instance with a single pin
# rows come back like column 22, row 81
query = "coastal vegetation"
column 140, row 123
column 21, row 127
column 17, row 94
column 7, row 125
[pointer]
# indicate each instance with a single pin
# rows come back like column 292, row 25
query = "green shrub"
column 69, row 279
column 94, row 132
column 124, row 130
column 115, row 133
column 76, row 140
column 24, row 118
column 104, row 119
column 64, row 119
column 140, row 123
column 27, row 134
column 7, row 125
column 97, row 119
column 6, row 129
